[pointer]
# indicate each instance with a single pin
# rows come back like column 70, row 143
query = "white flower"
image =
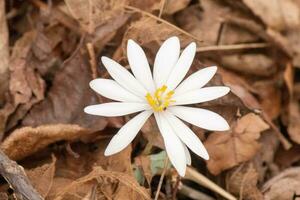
column 163, row 95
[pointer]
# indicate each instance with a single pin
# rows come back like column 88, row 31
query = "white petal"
column 173, row 145
column 165, row 60
column 200, row 117
column 200, row 95
column 123, row 77
column 182, row 66
column 139, row 65
column 112, row 90
column 114, row 109
column 187, row 136
column 187, row 155
column 196, row 80
column 127, row 133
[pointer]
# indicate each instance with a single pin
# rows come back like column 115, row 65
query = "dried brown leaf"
column 283, row 186
column 252, row 64
column 26, row 141
column 4, row 52
column 67, row 97
column 171, row 6
column 243, row 182
column 93, row 13
column 235, row 146
column 293, row 121
column 277, row 14
column 99, row 177
column 42, row 177
column 26, row 86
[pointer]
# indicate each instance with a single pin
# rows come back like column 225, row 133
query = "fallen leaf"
column 94, row 13
column 26, row 86
column 171, row 6
column 26, row 141
column 293, row 121
column 99, row 178
column 243, row 181
column 283, row 186
column 211, row 28
column 4, row 52
column 264, row 159
column 233, row 147
column 277, row 14
column 67, row 97
column 253, row 64
column 42, row 177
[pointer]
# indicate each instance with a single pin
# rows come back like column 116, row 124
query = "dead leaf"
column 99, row 178
column 269, row 96
column 26, row 141
column 26, row 86
column 94, row 13
column 238, row 145
column 283, row 186
column 277, row 14
column 4, row 53
column 42, row 177
column 243, row 182
column 171, row 6
column 293, row 121
column 252, row 64
column 264, row 159
column 68, row 96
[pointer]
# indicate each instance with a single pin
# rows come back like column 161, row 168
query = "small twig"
column 162, row 177
column 93, row 61
column 232, row 47
column 162, row 6
column 162, row 21
column 202, row 180
column 15, row 175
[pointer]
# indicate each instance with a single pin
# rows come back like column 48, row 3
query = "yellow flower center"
column 161, row 99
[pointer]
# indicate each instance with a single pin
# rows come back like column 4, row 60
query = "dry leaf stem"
column 162, row 177
column 162, row 6
column 232, row 47
column 202, row 180
column 16, row 177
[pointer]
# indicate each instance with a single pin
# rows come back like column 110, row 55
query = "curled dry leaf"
column 242, row 181
column 283, row 186
column 26, row 141
column 42, row 177
column 4, row 52
column 235, row 146
column 94, row 13
column 67, row 97
column 99, row 178
column 277, row 14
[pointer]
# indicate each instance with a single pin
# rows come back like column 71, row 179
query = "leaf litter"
column 50, row 50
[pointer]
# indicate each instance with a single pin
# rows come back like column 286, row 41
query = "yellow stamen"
column 160, row 101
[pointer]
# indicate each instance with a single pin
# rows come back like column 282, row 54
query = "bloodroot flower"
column 165, row 95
